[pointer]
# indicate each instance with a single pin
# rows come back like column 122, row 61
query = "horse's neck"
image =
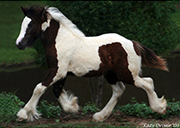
column 67, row 37
column 63, row 32
column 66, row 42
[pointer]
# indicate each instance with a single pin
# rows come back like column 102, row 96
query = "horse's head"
column 31, row 26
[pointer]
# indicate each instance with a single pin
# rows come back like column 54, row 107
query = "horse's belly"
column 84, row 66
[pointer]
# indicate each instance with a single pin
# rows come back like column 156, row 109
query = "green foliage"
column 89, row 108
column 9, row 106
column 10, row 21
column 142, row 110
column 147, row 22
column 49, row 110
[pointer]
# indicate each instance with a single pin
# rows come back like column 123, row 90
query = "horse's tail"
column 149, row 58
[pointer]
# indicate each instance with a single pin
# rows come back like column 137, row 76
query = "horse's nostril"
column 19, row 46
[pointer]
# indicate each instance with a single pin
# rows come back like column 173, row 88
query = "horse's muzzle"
column 20, row 46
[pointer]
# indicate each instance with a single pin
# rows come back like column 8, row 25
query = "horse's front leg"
column 67, row 100
column 29, row 111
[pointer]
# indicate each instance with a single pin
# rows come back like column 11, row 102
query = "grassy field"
column 10, row 22
column 176, row 17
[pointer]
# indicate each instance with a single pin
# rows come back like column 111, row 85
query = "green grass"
column 14, row 56
column 10, row 23
column 176, row 17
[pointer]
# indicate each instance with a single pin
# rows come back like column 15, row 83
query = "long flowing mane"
column 58, row 16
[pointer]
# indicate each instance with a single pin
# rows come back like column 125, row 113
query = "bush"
column 49, row 110
column 147, row 22
column 142, row 110
column 89, row 108
column 9, row 106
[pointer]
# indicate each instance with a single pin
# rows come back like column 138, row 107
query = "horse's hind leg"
column 118, row 90
column 156, row 104
column 68, row 101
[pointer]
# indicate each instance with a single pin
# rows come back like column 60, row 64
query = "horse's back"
column 106, row 39
column 104, row 52
column 112, row 40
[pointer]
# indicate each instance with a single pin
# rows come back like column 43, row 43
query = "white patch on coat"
column 79, row 54
column 24, row 27
column 45, row 25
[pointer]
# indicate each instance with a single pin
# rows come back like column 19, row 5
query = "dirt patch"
column 116, row 119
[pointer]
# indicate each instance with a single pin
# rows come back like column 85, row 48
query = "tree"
column 96, row 90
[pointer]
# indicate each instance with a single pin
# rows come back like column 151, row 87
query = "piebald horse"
column 69, row 51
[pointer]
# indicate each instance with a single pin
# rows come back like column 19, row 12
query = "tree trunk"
column 96, row 90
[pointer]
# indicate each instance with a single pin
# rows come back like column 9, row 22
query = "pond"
column 24, row 81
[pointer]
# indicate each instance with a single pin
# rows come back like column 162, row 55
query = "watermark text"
column 158, row 125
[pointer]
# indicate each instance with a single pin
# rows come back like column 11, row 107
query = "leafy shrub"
column 49, row 110
column 142, row 110
column 89, row 108
column 9, row 106
column 147, row 22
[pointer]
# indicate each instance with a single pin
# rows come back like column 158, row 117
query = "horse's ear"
column 24, row 10
column 44, row 14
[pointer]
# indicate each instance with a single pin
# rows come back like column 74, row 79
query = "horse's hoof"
column 20, row 119
column 97, row 117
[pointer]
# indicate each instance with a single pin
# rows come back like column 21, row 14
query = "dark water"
column 24, row 81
